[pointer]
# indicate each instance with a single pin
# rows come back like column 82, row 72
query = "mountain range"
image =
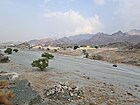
column 132, row 36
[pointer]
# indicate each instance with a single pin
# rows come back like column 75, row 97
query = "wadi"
column 67, row 74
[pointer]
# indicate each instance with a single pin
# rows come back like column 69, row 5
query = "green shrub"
column 47, row 55
column 55, row 50
column 40, row 63
column 48, row 49
column 8, row 51
column 87, row 55
column 97, row 57
column 75, row 47
column 15, row 50
column 69, row 46
column 96, row 47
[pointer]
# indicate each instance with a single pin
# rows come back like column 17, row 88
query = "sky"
column 23, row 20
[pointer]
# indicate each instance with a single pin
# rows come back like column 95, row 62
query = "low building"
column 51, row 48
column 87, row 48
column 37, row 47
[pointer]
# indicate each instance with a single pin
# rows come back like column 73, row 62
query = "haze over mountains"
column 132, row 36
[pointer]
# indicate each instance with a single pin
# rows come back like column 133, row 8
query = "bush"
column 87, row 55
column 84, row 52
column 4, row 59
column 40, row 63
column 96, row 47
column 8, row 51
column 75, row 47
column 97, row 57
column 15, row 50
column 69, row 46
column 55, row 50
column 47, row 55
column 48, row 49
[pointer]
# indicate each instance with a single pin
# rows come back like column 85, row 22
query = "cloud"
column 99, row 2
column 127, row 14
column 46, row 1
column 71, row 22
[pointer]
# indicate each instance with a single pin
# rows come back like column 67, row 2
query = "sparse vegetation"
column 4, row 59
column 48, row 49
column 84, row 52
column 5, row 97
column 15, row 50
column 47, row 55
column 83, row 45
column 96, row 57
column 75, row 47
column 40, row 63
column 69, row 46
column 96, row 47
column 87, row 55
column 55, row 50
column 8, row 51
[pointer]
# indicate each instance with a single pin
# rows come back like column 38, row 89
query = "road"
column 123, row 76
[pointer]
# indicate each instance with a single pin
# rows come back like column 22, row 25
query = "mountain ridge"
column 132, row 36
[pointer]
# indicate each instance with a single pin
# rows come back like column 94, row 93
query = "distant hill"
column 117, row 45
column 102, row 38
column 92, row 39
column 10, row 43
column 73, row 39
column 132, row 36
column 40, row 41
column 136, row 46
column 133, row 32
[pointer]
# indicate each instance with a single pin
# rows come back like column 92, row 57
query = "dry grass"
column 5, row 97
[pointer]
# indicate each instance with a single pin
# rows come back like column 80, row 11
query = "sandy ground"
column 95, row 92
column 112, row 55
column 101, row 83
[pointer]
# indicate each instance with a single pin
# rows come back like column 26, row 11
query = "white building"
column 87, row 48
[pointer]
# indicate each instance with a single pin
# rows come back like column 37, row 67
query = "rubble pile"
column 64, row 91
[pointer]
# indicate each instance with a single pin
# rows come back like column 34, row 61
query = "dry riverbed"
column 66, row 83
column 94, row 92
column 112, row 55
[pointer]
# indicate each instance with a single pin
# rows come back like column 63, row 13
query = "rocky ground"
column 55, row 89
column 62, row 87
column 120, row 56
column 19, row 91
column 113, row 55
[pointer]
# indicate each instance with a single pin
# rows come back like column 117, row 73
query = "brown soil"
column 95, row 92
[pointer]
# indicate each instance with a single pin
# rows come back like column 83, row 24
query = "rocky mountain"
column 117, row 45
column 10, row 43
column 137, row 46
column 81, row 37
column 133, row 32
column 132, row 36
column 73, row 39
column 40, row 41
column 101, row 38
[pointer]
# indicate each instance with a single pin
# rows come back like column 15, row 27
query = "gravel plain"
column 101, row 83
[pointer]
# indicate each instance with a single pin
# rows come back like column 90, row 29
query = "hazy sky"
column 32, row 19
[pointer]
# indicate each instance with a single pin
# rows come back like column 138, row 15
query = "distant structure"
column 39, row 46
column 51, row 48
column 87, row 48
column 24, row 45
